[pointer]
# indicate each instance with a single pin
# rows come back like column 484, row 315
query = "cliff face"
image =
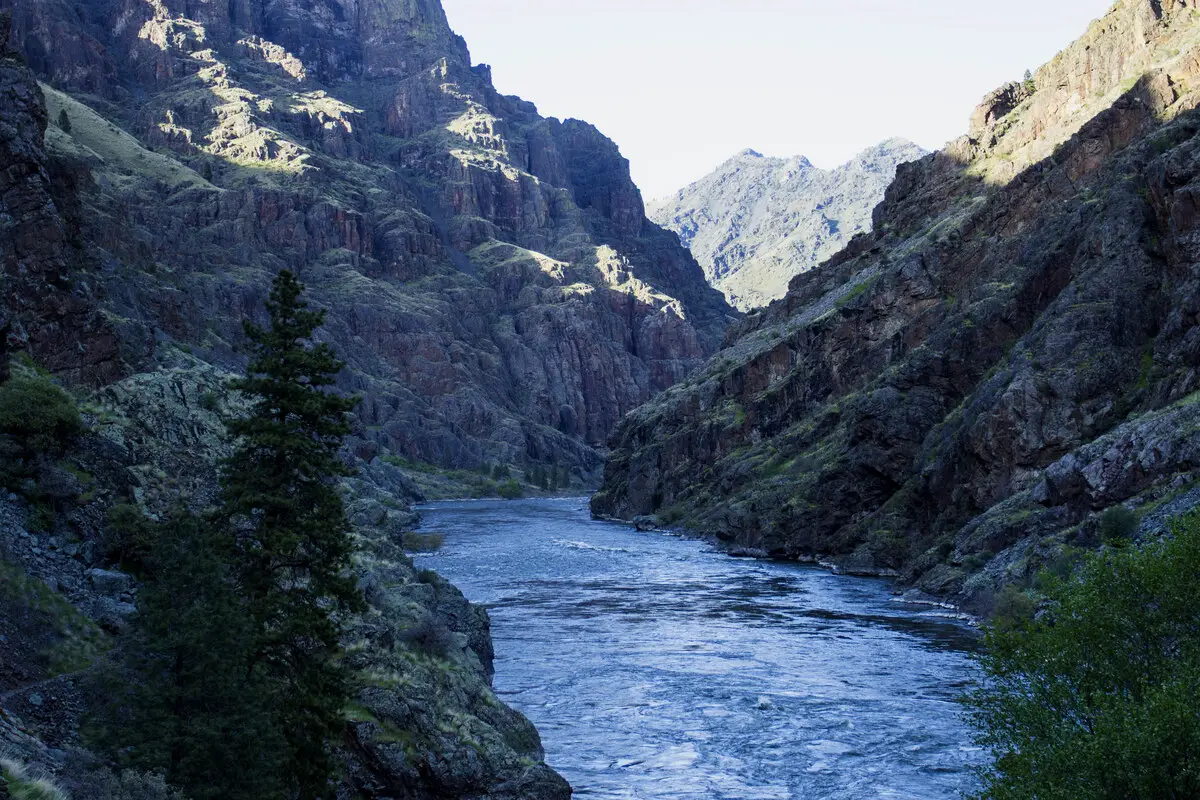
column 425, row 722
column 44, row 311
column 490, row 274
column 1013, row 349
column 756, row 222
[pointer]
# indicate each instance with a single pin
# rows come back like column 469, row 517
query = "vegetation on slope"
column 1096, row 694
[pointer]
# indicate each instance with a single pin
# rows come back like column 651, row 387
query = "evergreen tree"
column 181, row 698
column 295, row 543
column 64, row 121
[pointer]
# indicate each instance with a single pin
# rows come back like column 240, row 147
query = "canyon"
column 955, row 397
column 941, row 368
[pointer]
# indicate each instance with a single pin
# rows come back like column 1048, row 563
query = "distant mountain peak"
column 757, row 221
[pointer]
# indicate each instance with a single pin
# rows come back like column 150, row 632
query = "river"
column 655, row 668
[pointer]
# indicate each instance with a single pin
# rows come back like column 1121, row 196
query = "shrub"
column 976, row 561
column 510, row 490
column 37, row 414
column 1014, row 607
column 128, row 534
column 484, row 488
column 210, row 401
column 1097, row 696
column 129, row 785
column 1118, row 524
column 429, row 635
column 415, row 542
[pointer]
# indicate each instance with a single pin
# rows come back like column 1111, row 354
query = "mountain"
column 489, row 276
column 489, row 273
column 956, row 397
column 755, row 222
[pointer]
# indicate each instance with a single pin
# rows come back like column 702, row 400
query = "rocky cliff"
column 756, row 222
column 490, row 274
column 956, row 396
column 425, row 722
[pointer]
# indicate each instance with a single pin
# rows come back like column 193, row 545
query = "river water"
column 656, row 668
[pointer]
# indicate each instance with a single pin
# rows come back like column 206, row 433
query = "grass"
column 23, row 786
column 120, row 152
column 80, row 641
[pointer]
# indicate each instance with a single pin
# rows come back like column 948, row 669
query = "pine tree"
column 182, row 699
column 295, row 543
column 64, row 120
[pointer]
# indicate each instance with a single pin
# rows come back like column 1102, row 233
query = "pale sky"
column 682, row 85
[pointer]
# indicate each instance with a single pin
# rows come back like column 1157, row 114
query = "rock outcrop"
column 756, row 222
column 47, row 309
column 954, row 397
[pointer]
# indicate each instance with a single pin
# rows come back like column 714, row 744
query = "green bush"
column 415, row 542
column 510, row 490
column 976, row 561
column 210, row 401
column 1014, row 607
column 429, row 635
column 1118, row 524
column 128, row 535
column 37, row 415
column 1097, row 695
column 484, row 488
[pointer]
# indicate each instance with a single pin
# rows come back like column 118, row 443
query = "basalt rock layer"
column 490, row 275
column 756, row 222
column 1013, row 349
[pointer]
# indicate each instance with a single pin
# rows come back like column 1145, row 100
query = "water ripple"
column 658, row 670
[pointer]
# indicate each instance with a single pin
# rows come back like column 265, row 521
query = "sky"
column 682, row 86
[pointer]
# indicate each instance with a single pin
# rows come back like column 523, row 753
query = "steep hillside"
column 425, row 722
column 755, row 222
column 490, row 274
column 956, row 396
